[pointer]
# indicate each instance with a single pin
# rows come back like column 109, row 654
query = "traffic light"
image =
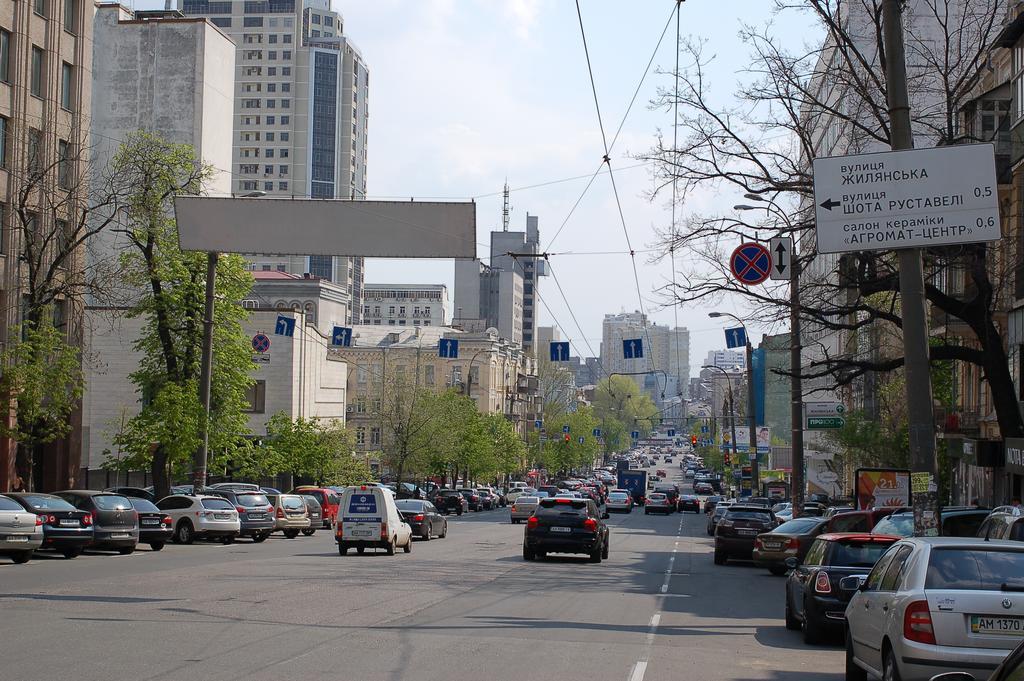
column 728, row 459
column 567, row 438
column 693, row 440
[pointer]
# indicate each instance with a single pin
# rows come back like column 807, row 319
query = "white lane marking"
column 639, row 669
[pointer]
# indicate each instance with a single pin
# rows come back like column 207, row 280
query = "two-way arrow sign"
column 781, row 248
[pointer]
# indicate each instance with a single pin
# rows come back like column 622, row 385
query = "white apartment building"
column 727, row 359
column 300, row 114
column 406, row 305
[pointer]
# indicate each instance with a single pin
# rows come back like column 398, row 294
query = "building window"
column 270, row 120
column 248, row 186
column 270, row 153
column 283, row 154
column 315, row 18
column 360, row 435
column 67, row 74
column 284, row 135
column 5, row 55
column 286, row 103
column 361, row 374
column 252, row 22
column 282, row 186
column 272, row 54
column 36, row 83
column 286, row 87
column 268, row 186
column 271, row 87
column 3, row 141
column 286, row 120
column 286, row 55
column 39, row 7
column 286, row 70
column 256, row 396
column 64, row 237
column 282, row 170
column 375, row 436
column 63, row 164
column 222, row 22
column 272, row 38
column 328, row 21
column 286, row 38
column 271, row 104
column 35, row 151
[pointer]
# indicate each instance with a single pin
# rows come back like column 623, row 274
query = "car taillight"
column 722, row 522
column 792, row 543
column 822, row 584
column 418, row 517
column 51, row 520
column 167, row 520
column 917, row 623
column 532, row 523
column 758, row 544
column 337, row 529
column 384, row 531
column 239, row 509
column 590, row 525
column 39, row 520
column 280, row 513
column 87, row 520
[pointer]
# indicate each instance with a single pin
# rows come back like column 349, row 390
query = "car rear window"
column 527, row 500
column 575, row 506
column 218, row 505
column 797, row 526
column 9, row 505
column 48, row 503
column 451, row 493
column 251, row 500
column 657, row 497
column 748, row 514
column 901, row 525
column 144, row 505
column 962, row 524
column 111, row 502
column 857, row 554
column 974, row 569
column 618, row 495
column 315, row 493
column 409, row 505
column 293, row 503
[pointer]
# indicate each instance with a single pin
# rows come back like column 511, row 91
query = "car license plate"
column 746, row 532
column 1000, row 626
column 561, row 529
column 257, row 516
column 771, row 547
column 362, row 533
column 17, row 538
column 68, row 522
column 120, row 536
column 150, row 521
column 222, row 516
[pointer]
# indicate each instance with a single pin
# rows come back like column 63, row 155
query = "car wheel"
column 72, row 552
column 259, row 537
column 595, row 555
column 21, row 557
column 308, row 533
column 156, row 546
column 391, row 548
column 542, row 554
column 342, row 550
column 647, row 511
column 126, row 550
column 444, row 531
column 185, row 534
column 408, row 545
column 853, row 672
column 291, row 534
column 604, row 550
column 777, row 570
column 890, row 672
column 426, row 534
column 528, row 553
column 812, row 633
column 792, row 623
column 230, row 539
column 721, row 558
column 360, row 550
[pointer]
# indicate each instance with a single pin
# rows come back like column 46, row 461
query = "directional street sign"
column 341, row 335
column 781, row 248
column 597, row 432
column 824, row 415
column 751, row 263
column 671, row 432
column 537, row 424
column 736, row 338
column 705, row 429
column 565, row 428
column 261, row 343
column 632, row 348
column 559, row 351
column 635, row 434
column 825, row 422
column 582, row 440
column 448, row 348
column 906, row 199
column 285, row 326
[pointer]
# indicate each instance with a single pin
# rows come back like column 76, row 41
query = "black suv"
column 566, row 526
column 736, row 531
column 449, row 501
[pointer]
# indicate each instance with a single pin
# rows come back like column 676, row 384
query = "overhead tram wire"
column 611, row 176
column 618, row 131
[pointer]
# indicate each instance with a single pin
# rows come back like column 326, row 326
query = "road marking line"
column 639, row 669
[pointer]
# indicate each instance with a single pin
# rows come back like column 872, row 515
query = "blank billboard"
column 377, row 229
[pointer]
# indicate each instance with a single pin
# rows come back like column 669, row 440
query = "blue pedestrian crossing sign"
column 671, row 432
column 285, row 326
column 735, row 338
column 565, row 428
column 448, row 348
column 341, row 336
column 559, row 351
column 597, row 432
column 538, row 424
column 632, row 348
column 635, row 435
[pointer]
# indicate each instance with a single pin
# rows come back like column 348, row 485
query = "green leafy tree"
column 315, row 449
column 622, row 408
column 412, row 419
column 43, row 377
column 169, row 296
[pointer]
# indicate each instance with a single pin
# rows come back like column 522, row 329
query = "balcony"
column 958, row 421
column 988, row 119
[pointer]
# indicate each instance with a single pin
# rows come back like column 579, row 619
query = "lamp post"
column 755, row 472
column 732, row 402
column 202, row 454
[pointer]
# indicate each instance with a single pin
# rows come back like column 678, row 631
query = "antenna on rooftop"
column 505, row 210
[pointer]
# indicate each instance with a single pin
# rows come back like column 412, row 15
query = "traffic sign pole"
column 912, row 300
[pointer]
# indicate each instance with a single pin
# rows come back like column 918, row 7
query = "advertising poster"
column 881, row 487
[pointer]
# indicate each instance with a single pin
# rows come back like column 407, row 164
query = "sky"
column 468, row 94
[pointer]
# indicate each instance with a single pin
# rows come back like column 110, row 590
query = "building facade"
column 301, row 114
column 45, row 95
column 529, row 268
column 406, row 305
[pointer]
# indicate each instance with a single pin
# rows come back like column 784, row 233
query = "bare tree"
column 829, row 98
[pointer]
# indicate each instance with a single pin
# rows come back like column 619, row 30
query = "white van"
column 368, row 517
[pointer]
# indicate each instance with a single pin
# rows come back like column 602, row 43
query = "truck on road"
column 635, row 482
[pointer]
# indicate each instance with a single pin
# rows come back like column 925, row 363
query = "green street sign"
column 825, row 422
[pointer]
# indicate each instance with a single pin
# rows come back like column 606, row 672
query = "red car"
column 329, row 502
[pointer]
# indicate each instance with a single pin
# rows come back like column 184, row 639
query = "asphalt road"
column 464, row 607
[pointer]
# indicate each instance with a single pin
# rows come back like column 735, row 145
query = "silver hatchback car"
column 936, row 604
column 523, row 507
column 21, row 531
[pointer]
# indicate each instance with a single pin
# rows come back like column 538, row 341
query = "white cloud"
column 523, row 14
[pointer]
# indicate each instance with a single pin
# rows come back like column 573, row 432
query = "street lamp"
column 206, row 367
column 755, row 472
column 732, row 401
column 795, row 362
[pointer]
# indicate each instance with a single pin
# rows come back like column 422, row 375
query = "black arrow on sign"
column 781, row 250
column 829, row 204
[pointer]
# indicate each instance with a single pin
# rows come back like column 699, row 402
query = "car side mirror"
column 854, row 583
column 953, row 676
column 605, row 515
column 792, row 562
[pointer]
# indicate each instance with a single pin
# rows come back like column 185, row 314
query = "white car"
column 517, row 492
column 368, row 518
column 21, row 531
column 935, row 604
column 620, row 500
column 201, row 516
column 523, row 507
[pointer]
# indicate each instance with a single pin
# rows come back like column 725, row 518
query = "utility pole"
column 205, row 377
column 796, row 412
column 912, row 298
column 755, row 469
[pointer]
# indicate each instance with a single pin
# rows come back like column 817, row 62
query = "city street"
column 467, row 606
